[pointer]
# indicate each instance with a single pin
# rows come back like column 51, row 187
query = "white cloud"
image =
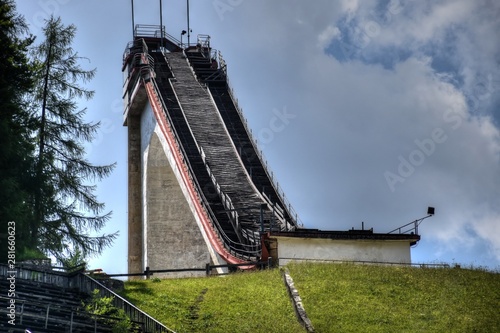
column 349, row 6
column 487, row 226
column 422, row 21
column 326, row 36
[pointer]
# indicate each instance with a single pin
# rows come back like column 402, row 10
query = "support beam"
column 135, row 232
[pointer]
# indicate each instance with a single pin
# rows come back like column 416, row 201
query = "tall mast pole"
column 161, row 24
column 189, row 29
column 133, row 24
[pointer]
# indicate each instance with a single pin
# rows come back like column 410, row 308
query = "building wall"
column 290, row 248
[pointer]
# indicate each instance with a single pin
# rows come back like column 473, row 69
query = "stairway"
column 45, row 308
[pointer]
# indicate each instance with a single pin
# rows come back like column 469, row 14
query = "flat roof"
column 344, row 235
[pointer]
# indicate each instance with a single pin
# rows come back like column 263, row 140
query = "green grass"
column 241, row 302
column 337, row 298
column 355, row 298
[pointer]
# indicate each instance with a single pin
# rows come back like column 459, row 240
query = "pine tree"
column 16, row 147
column 66, row 209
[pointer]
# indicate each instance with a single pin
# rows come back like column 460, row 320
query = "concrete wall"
column 173, row 239
column 289, row 248
column 164, row 232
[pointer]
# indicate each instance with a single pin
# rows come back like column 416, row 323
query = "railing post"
column 147, row 272
column 22, row 312
column 47, row 316
column 207, row 269
column 262, row 218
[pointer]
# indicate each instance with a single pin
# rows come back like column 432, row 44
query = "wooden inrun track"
column 231, row 186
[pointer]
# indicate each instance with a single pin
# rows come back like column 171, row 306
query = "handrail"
column 225, row 199
column 413, row 229
column 184, row 167
column 155, row 31
column 87, row 284
column 254, row 143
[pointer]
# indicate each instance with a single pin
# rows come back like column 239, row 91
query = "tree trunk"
column 39, row 214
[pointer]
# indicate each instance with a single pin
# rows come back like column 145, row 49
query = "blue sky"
column 391, row 107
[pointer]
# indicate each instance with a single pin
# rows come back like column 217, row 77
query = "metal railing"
column 208, row 269
column 57, row 276
column 365, row 262
column 76, row 279
column 281, row 194
column 410, row 228
column 150, row 325
column 154, row 31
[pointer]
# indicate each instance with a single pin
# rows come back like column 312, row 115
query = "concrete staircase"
column 50, row 300
column 43, row 307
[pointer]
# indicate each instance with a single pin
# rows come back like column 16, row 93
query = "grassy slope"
column 338, row 298
column 241, row 302
column 354, row 298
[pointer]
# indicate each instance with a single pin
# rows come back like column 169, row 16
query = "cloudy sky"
column 387, row 107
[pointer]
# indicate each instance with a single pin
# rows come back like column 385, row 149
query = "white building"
column 352, row 245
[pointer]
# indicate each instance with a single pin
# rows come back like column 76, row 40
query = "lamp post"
column 416, row 223
column 133, row 27
column 188, row 28
column 161, row 24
